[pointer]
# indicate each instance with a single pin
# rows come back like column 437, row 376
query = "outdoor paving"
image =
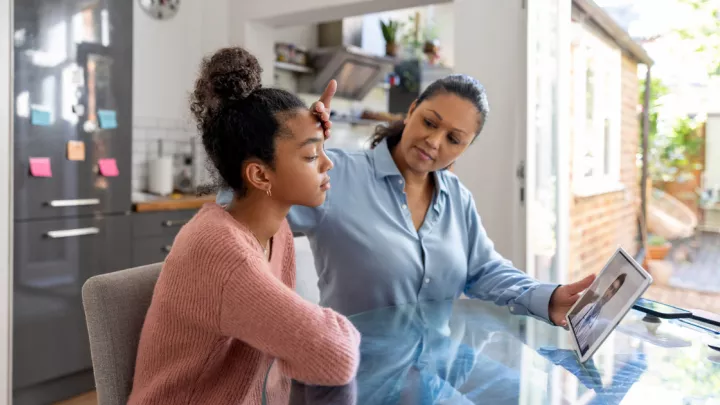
column 696, row 263
column 685, row 298
column 695, row 283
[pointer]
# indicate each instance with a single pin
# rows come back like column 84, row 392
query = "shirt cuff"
column 540, row 301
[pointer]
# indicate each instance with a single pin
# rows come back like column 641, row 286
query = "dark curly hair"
column 237, row 118
column 463, row 86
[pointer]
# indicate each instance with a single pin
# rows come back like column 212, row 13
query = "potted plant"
column 658, row 247
column 431, row 47
column 390, row 30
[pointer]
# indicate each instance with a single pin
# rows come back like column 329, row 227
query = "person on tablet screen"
column 588, row 315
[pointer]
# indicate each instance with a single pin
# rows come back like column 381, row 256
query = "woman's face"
column 301, row 169
column 437, row 131
column 612, row 290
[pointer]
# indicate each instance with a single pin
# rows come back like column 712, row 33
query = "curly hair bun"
column 232, row 73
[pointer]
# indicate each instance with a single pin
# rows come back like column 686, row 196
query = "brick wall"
column 599, row 223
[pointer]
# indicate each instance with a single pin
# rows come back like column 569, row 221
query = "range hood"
column 340, row 56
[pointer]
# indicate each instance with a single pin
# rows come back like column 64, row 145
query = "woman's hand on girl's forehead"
column 321, row 108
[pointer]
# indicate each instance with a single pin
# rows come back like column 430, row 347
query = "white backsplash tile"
column 176, row 136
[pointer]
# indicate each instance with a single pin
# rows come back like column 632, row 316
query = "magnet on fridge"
column 79, row 109
column 40, row 167
column 76, row 150
column 107, row 118
column 108, row 167
column 89, row 126
column 40, row 116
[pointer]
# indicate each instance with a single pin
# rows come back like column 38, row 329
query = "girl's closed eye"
column 312, row 156
column 429, row 123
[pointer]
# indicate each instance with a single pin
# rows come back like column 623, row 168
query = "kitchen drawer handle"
column 169, row 224
column 69, row 233
column 166, row 248
column 74, row 203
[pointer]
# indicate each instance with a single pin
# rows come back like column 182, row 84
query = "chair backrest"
column 115, row 308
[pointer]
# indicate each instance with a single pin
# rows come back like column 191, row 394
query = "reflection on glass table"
column 473, row 352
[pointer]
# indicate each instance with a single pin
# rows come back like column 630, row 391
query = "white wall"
column 494, row 56
column 303, row 36
column 285, row 13
column 6, row 159
column 166, row 57
column 443, row 16
column 712, row 152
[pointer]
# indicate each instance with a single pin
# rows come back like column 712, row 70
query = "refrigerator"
column 72, row 182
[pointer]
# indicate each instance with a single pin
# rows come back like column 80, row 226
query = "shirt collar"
column 385, row 166
column 382, row 159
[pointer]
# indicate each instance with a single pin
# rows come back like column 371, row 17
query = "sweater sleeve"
column 312, row 344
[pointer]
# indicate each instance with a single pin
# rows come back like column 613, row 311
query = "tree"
column 702, row 32
column 671, row 153
column 658, row 90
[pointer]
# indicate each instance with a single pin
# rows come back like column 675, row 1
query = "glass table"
column 473, row 352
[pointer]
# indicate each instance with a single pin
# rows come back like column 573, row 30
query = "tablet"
column 604, row 304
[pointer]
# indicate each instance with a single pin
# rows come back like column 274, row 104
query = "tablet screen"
column 606, row 301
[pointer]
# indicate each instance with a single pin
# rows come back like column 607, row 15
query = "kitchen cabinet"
column 154, row 233
column 72, row 82
column 52, row 260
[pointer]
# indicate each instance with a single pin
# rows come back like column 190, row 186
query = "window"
column 596, row 87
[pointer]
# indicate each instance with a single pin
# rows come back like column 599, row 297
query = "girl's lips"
column 325, row 186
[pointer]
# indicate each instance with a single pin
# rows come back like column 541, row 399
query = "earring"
column 268, row 192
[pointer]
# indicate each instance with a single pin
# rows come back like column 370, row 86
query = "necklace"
column 265, row 248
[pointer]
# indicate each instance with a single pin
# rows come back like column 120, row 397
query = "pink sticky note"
column 108, row 167
column 40, row 167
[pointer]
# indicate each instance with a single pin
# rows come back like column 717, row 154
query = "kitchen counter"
column 143, row 202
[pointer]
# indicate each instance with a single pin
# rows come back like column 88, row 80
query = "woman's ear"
column 410, row 111
column 257, row 175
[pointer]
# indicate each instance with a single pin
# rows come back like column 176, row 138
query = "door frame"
column 6, row 203
column 526, row 152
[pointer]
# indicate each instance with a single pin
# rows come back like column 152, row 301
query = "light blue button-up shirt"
column 368, row 254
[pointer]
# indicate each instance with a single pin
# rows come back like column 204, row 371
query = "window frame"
column 589, row 47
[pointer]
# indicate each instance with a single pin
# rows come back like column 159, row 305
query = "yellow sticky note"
column 76, row 150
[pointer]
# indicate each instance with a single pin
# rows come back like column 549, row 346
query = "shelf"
column 291, row 67
column 356, row 121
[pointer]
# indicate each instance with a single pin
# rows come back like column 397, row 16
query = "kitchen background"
column 172, row 125
column 94, row 112
column 108, row 156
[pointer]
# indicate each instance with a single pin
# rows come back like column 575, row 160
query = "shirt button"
column 404, row 206
column 512, row 308
column 427, row 280
column 400, row 182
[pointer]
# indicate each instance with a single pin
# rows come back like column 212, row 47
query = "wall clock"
column 160, row 9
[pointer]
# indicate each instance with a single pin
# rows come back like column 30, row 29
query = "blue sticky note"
column 40, row 117
column 108, row 119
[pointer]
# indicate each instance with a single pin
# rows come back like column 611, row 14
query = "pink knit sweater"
column 221, row 313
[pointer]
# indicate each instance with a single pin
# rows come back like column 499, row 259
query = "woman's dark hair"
column 621, row 278
column 236, row 117
column 463, row 86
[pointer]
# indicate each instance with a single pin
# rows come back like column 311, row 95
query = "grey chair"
column 115, row 308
